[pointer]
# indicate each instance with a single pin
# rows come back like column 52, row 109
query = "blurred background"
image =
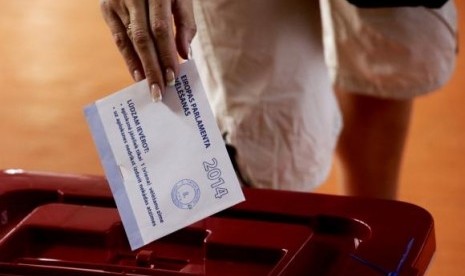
column 58, row 56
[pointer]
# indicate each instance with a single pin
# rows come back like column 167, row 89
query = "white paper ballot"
column 166, row 162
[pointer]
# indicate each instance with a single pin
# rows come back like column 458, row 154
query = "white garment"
column 263, row 67
column 390, row 52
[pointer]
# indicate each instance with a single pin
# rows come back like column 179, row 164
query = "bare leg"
column 371, row 144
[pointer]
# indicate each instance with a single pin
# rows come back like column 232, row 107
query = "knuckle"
column 105, row 5
column 160, row 28
column 140, row 38
column 120, row 40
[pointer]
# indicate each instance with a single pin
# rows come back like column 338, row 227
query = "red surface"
column 68, row 225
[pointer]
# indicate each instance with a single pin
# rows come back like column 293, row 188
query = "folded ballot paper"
column 166, row 161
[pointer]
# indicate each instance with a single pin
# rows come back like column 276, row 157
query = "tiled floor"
column 57, row 56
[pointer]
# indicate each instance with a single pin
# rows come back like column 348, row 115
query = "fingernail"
column 189, row 55
column 156, row 93
column 137, row 76
column 170, row 78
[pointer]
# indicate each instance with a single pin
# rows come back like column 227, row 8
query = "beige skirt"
column 262, row 64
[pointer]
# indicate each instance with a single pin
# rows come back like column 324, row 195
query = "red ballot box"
column 53, row 224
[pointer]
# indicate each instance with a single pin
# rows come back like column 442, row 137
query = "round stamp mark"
column 185, row 194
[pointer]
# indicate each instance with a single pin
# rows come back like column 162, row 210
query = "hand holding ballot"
column 144, row 34
column 166, row 161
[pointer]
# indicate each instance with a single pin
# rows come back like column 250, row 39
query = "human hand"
column 143, row 32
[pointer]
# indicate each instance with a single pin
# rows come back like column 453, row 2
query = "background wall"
column 57, row 56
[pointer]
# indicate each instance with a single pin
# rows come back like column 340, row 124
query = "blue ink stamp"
column 185, row 194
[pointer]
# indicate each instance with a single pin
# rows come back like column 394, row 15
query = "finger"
column 161, row 26
column 144, row 46
column 185, row 26
column 122, row 41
